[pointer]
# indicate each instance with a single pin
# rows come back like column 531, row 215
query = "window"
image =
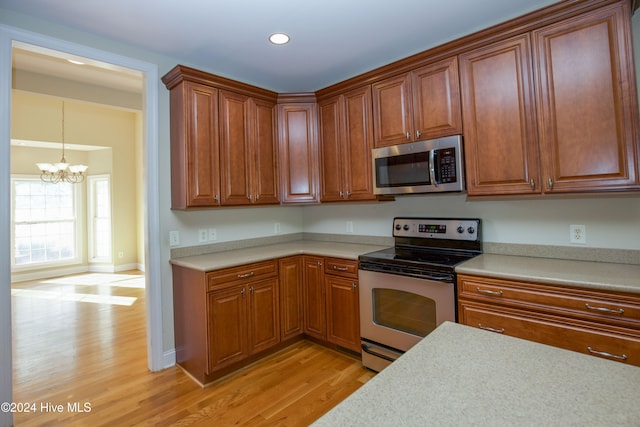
column 99, row 211
column 44, row 222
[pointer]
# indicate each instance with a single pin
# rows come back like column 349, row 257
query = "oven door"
column 397, row 311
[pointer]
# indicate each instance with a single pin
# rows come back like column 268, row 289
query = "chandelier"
column 61, row 171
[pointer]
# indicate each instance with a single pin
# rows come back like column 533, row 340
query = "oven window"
column 403, row 170
column 404, row 311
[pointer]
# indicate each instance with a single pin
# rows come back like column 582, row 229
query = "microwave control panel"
column 445, row 164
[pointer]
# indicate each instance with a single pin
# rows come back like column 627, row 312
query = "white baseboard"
column 169, row 358
column 45, row 274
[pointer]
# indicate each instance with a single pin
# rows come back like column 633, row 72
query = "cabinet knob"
column 348, row 194
column 532, row 183
column 341, row 195
column 243, row 291
column 319, row 264
column 216, row 198
column 250, row 197
column 257, row 197
column 251, row 290
column 408, row 136
column 353, row 286
column 418, row 134
column 549, row 183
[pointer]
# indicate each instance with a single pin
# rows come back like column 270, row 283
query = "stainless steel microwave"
column 429, row 166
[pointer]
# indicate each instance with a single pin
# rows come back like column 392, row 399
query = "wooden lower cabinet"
column 228, row 318
column 291, row 297
column 343, row 315
column 600, row 323
column 315, row 317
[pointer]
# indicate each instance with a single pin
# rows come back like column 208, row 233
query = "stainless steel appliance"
column 429, row 166
column 408, row 290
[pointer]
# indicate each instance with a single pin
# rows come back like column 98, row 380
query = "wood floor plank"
column 72, row 351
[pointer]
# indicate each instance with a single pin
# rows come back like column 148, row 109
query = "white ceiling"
column 331, row 40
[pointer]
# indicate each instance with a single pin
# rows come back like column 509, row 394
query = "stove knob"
column 406, row 227
column 398, row 227
column 471, row 230
column 460, row 229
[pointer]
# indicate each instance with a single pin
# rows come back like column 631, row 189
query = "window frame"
column 78, row 201
column 91, row 229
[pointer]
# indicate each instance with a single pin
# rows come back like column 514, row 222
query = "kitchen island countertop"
column 583, row 274
column 462, row 376
column 236, row 257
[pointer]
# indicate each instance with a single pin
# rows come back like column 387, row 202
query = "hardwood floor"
column 80, row 359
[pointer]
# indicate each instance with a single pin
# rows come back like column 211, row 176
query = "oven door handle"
column 432, row 168
column 367, row 348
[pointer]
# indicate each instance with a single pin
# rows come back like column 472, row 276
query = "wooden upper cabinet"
column 298, row 152
column 195, row 159
column 436, row 100
column 500, row 139
column 422, row 104
column 247, row 150
column 223, row 141
column 587, row 100
column 573, row 129
column 346, row 133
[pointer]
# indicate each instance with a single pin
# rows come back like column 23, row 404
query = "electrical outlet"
column 120, row 254
column 203, row 235
column 349, row 226
column 213, row 234
column 577, row 234
column 174, row 238
column 276, row 228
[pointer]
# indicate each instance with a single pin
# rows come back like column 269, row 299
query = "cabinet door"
column 298, row 149
column 265, row 154
column 499, row 119
column 436, row 100
column 235, row 158
column 587, row 93
column 264, row 317
column 291, row 302
column 357, row 145
column 331, row 131
column 392, row 114
column 195, row 159
column 314, row 298
column 343, row 314
column 227, row 326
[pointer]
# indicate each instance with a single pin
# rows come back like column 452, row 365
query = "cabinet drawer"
column 241, row 274
column 341, row 267
column 612, row 343
column 588, row 304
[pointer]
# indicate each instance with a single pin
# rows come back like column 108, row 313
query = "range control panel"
column 437, row 228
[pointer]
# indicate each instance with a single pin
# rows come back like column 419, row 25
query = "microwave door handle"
column 432, row 167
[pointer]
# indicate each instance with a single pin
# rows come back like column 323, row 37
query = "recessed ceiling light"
column 279, row 38
column 73, row 61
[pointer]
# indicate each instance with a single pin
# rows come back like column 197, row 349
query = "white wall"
column 611, row 222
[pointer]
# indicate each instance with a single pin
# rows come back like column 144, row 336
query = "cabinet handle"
column 605, row 310
column 532, row 183
column 486, row 328
column 341, row 195
column 243, row 291
column 244, row 276
column 418, row 134
column 489, row 292
column 257, row 197
column 348, row 194
column 319, row 264
column 353, row 286
column 609, row 355
column 549, row 183
column 408, row 136
column 335, row 267
column 250, row 197
column 216, row 198
column 251, row 290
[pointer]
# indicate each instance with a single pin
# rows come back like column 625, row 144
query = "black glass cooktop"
column 417, row 257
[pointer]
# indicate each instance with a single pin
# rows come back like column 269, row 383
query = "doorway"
column 10, row 36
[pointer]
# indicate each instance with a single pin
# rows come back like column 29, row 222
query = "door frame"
column 153, row 283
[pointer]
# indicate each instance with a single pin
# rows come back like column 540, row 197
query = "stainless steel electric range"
column 407, row 290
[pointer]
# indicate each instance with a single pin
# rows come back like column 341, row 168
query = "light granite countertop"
column 584, row 274
column 232, row 258
column 462, row 376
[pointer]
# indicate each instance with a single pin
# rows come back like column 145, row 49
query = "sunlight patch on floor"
column 72, row 296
